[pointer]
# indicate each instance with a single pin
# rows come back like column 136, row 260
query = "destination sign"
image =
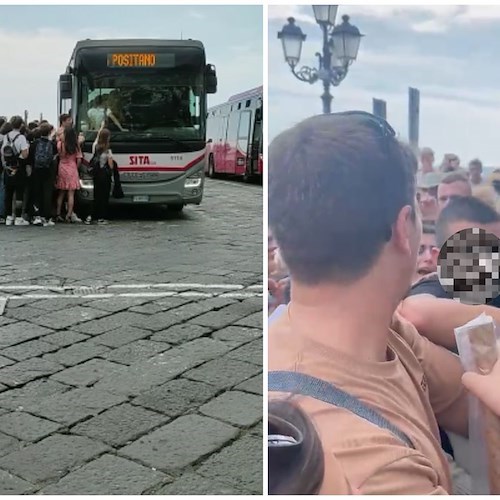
column 140, row 60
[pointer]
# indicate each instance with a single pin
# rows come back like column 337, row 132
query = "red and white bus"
column 234, row 136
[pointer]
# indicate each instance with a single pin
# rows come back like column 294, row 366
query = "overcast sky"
column 450, row 53
column 38, row 41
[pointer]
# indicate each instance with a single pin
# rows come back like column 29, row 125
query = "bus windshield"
column 142, row 103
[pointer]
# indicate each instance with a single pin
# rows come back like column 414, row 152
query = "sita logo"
column 140, row 160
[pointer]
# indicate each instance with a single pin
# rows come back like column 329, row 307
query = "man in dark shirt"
column 461, row 213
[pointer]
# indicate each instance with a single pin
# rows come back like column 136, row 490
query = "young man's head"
column 451, row 163
column 427, row 159
column 342, row 202
column 475, row 171
column 466, row 213
column 45, row 129
column 427, row 195
column 65, row 120
column 428, row 252
column 453, row 185
column 16, row 122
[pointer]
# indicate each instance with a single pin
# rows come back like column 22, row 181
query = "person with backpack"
column 43, row 153
column 101, row 168
column 3, row 120
column 68, row 180
column 15, row 150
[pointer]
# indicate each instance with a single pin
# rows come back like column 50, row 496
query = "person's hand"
column 81, row 138
column 485, row 387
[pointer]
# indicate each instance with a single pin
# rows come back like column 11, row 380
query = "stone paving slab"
column 26, row 371
column 135, row 352
column 195, row 484
column 235, row 408
column 12, row 485
column 26, row 427
column 29, row 349
column 176, row 397
column 187, row 439
column 134, row 395
column 120, row 425
column 74, row 405
column 69, row 316
column 225, row 374
column 18, row 332
column 121, row 336
column 235, row 465
column 51, row 458
column 163, row 367
column 77, row 353
column 114, row 475
column 30, row 393
column 88, row 373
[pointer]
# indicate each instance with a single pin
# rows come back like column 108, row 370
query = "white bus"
column 153, row 97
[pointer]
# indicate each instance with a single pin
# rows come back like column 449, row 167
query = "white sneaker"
column 50, row 222
column 37, row 221
column 21, row 222
column 88, row 220
column 9, row 221
column 75, row 219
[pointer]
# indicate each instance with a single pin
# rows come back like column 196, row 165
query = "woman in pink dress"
column 68, row 180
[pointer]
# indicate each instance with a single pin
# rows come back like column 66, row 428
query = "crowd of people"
column 366, row 392
column 40, row 172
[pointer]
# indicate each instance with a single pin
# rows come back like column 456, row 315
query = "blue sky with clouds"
column 450, row 53
column 38, row 42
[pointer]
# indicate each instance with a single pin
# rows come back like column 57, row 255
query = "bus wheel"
column 211, row 167
column 177, row 208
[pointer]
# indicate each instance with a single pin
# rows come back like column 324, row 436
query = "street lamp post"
column 340, row 48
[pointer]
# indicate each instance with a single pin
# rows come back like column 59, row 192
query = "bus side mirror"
column 65, row 86
column 210, row 79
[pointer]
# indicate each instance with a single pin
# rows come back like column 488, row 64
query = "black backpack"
column 9, row 153
column 94, row 164
column 44, row 154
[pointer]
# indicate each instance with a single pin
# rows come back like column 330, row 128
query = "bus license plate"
column 140, row 199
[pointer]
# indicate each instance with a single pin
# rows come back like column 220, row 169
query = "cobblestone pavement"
column 131, row 354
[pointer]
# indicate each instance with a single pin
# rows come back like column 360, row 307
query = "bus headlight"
column 193, row 181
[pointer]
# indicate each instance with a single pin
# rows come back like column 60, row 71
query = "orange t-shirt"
column 419, row 383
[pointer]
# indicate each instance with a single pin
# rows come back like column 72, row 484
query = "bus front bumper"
column 181, row 191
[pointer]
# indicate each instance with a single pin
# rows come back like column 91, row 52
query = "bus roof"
column 247, row 94
column 137, row 42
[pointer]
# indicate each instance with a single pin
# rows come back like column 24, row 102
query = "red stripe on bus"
column 156, row 168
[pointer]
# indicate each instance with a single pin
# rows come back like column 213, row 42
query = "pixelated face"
column 447, row 191
column 469, row 266
column 427, row 255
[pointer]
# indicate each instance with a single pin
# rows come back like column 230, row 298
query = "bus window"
column 244, row 130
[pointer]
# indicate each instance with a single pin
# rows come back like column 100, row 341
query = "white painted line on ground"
column 134, row 286
column 3, row 303
column 37, row 296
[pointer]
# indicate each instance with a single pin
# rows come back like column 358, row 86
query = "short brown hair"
column 45, row 129
column 476, row 162
column 63, row 118
column 336, row 186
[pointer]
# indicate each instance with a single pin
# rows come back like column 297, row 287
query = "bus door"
column 231, row 143
column 255, row 145
column 243, row 142
column 223, row 146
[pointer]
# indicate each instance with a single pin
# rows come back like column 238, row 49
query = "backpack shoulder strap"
column 306, row 385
